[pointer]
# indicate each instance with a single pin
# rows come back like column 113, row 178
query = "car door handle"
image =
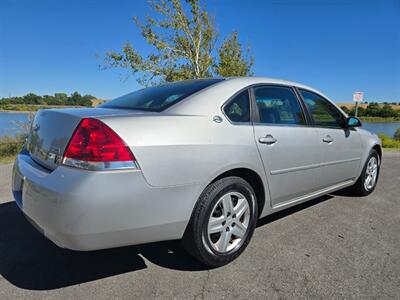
column 327, row 139
column 268, row 139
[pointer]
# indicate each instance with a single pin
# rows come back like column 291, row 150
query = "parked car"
column 198, row 160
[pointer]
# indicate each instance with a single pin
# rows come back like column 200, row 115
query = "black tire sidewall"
column 195, row 238
column 247, row 191
column 372, row 153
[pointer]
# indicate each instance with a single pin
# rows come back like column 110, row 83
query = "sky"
column 335, row 46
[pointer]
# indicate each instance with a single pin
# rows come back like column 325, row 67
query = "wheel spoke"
column 215, row 224
column 227, row 204
column 239, row 230
column 224, row 240
column 241, row 207
column 368, row 180
column 373, row 178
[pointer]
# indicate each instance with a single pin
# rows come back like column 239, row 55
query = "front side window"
column 238, row 109
column 278, row 105
column 323, row 112
column 160, row 97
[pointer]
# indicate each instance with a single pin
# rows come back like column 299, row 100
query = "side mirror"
column 352, row 122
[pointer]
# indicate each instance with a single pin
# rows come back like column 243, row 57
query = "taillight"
column 95, row 146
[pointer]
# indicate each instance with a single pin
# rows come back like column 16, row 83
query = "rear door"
column 287, row 145
column 340, row 146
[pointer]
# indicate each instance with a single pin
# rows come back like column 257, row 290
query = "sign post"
column 357, row 98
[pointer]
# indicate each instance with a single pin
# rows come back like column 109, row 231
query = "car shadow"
column 347, row 193
column 29, row 261
column 288, row 211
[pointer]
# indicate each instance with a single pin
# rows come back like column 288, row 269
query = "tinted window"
column 278, row 105
column 322, row 111
column 238, row 109
column 160, row 97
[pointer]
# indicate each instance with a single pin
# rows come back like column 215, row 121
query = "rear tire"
column 222, row 222
column 368, row 179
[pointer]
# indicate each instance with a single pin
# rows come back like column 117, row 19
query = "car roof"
column 270, row 80
column 212, row 97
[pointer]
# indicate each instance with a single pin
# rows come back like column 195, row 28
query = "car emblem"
column 217, row 119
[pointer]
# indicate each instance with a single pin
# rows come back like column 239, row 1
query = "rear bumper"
column 88, row 210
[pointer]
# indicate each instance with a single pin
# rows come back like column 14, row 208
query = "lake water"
column 7, row 127
column 388, row 128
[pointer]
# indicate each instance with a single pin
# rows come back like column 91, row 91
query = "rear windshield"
column 160, row 97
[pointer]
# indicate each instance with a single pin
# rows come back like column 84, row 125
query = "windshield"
column 160, row 97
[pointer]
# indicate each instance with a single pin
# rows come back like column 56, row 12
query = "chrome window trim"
column 231, row 98
column 256, row 112
column 281, row 125
column 299, row 89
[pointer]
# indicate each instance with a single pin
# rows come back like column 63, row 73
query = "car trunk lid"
column 52, row 129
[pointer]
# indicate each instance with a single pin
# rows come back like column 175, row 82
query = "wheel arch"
column 373, row 145
column 378, row 149
column 253, row 178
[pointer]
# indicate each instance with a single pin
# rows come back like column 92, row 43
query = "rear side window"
column 160, row 97
column 238, row 109
column 324, row 113
column 278, row 105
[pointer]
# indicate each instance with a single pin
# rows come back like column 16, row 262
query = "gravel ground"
column 332, row 247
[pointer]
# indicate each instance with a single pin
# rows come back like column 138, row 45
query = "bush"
column 11, row 146
column 397, row 134
column 388, row 142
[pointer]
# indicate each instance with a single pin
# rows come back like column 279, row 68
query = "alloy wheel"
column 228, row 222
column 371, row 173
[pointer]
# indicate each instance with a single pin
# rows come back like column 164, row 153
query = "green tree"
column 183, row 37
column 231, row 61
column 360, row 111
column 57, row 99
column 75, row 98
column 373, row 110
column 387, row 111
column 345, row 109
column 33, row 99
column 62, row 97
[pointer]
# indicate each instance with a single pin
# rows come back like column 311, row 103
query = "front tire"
column 368, row 179
column 222, row 222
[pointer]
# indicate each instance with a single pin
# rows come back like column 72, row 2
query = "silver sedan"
column 197, row 160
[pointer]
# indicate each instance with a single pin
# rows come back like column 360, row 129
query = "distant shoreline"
column 12, row 111
column 363, row 119
column 18, row 111
column 379, row 120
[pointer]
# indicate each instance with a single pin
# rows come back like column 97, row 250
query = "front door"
column 340, row 146
column 288, row 147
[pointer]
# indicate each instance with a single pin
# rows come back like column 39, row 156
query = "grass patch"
column 388, row 142
column 7, row 159
column 391, row 150
column 379, row 119
column 10, row 147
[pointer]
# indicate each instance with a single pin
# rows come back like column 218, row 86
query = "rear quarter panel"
column 175, row 150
